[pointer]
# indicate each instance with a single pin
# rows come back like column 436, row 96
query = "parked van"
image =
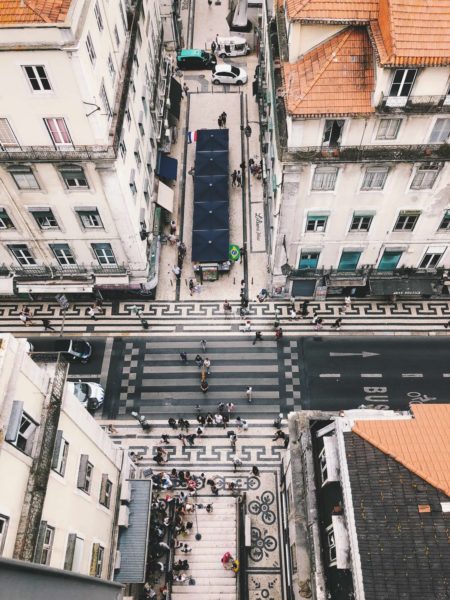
column 232, row 46
column 196, row 59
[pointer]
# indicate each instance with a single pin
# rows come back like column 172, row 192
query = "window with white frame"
column 37, row 77
column 425, row 177
column 45, row 219
column 24, row 178
column 98, row 16
column 122, row 149
column 430, row 260
column 58, row 131
column 137, row 155
column 331, row 542
column 5, row 220
column 21, row 428
column 105, row 101
column 90, row 219
column 90, row 49
column 294, row 558
column 105, row 491
column 63, row 254
column 104, row 254
column 98, row 553
column 332, row 133
column 4, row 522
column 445, row 223
column 132, row 183
column 74, row 552
column 116, row 36
column 111, row 68
column 47, row 546
column 7, row 137
column 375, row 178
column 323, row 466
column 407, row 220
column 402, row 82
column 324, row 178
column 85, row 471
column 74, row 177
column 316, row 223
column 388, row 129
column 361, row 222
column 22, row 254
column 441, row 131
column 60, row 454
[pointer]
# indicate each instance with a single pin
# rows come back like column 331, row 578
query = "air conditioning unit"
column 125, row 492
column 124, row 516
column 117, row 560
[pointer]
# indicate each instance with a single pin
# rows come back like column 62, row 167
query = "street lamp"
column 198, row 536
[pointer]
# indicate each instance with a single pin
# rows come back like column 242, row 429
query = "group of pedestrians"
column 236, row 178
column 222, row 120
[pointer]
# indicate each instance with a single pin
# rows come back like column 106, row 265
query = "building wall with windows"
column 78, row 527
column 80, row 128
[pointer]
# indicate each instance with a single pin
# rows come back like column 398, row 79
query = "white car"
column 224, row 73
column 91, row 395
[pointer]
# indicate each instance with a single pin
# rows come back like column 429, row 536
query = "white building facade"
column 81, row 123
column 361, row 170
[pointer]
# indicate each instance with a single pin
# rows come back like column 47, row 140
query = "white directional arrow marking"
column 363, row 354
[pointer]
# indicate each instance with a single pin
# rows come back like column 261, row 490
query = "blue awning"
column 166, row 167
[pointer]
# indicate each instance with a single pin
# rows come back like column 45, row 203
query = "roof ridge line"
column 327, row 62
column 29, row 4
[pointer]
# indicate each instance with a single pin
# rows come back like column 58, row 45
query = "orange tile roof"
column 336, row 78
column 332, row 10
column 18, row 12
column 421, row 444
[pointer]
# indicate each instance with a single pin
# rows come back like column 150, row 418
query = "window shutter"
column 82, row 471
column 103, row 488
column 40, row 542
column 70, row 551
column 94, row 560
column 57, row 449
column 14, row 421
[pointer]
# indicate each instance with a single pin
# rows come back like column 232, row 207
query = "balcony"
column 414, row 104
column 52, row 154
column 51, row 272
column 345, row 154
column 110, row 270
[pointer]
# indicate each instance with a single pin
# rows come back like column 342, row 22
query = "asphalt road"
column 334, row 373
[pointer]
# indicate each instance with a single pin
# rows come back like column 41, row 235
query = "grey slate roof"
column 133, row 540
column 405, row 554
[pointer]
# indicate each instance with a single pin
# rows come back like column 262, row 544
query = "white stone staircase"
column 218, row 531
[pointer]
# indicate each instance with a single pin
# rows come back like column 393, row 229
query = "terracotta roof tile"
column 342, row 10
column 421, row 444
column 33, row 11
column 335, row 78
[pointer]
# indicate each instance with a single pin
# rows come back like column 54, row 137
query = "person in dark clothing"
column 279, row 435
column 191, row 439
column 183, row 357
column 258, row 337
column 255, row 471
column 47, row 325
column 172, row 423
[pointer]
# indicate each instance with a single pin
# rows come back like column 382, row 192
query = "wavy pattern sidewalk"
column 364, row 317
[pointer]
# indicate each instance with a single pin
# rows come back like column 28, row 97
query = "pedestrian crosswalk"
column 155, row 381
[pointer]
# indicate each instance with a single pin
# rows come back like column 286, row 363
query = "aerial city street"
column 225, row 299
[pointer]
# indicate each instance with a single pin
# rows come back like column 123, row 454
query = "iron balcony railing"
column 367, row 271
column 414, row 104
column 82, row 272
column 52, row 154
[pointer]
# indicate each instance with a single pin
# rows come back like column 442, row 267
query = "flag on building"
column 192, row 136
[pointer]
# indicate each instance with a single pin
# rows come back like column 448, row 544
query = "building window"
column 22, row 254
column 60, row 454
column 45, row 219
column 85, row 474
column 24, row 178
column 4, row 521
column 294, row 558
column 388, row 129
column 331, row 546
column 375, row 178
column 7, row 137
column 116, row 36
column 402, row 82
column 5, row 221
column 74, row 553
column 406, row 221
column 104, row 254
column 21, row 428
column 137, row 155
column 58, row 131
column 111, row 68
column 122, row 149
column 47, row 545
column 98, row 16
column 90, row 48
column 105, row 491
column 96, row 567
column 63, row 254
column 105, row 101
column 361, row 222
column 74, row 177
column 90, row 218
column 316, row 223
column 445, row 223
column 349, row 260
column 308, row 260
column 324, row 178
column 430, row 260
column 323, row 466
column 38, row 78
column 441, row 131
column 389, row 260
column 132, row 183
column 332, row 133
column 425, row 177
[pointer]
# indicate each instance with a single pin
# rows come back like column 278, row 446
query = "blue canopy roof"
column 211, row 188
column 211, row 140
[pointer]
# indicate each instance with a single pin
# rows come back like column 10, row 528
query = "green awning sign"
column 234, row 253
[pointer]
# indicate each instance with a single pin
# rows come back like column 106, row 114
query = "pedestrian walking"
column 213, row 45
column 337, row 324
column 447, row 325
column 221, row 408
column 258, row 337
column 91, row 312
column 238, row 179
column 278, row 333
column 304, row 309
column 230, row 407
column 207, row 365
column 198, row 361
column 243, row 252
column 227, row 309
column 172, row 423
column 224, row 118
column 203, row 345
column 234, row 178
column 255, row 471
column 237, row 462
column 204, row 386
column 177, row 271
column 319, row 324
column 182, row 437
column 47, row 325
column 209, row 419
column 191, row 287
column 191, row 439
column 183, row 357
column 248, row 131
column 286, row 441
column 218, row 420
column 219, row 122
column 279, row 435
column 315, row 317
column 99, row 306
column 185, row 89
column 292, row 314
column 186, row 424
column 165, row 438
column 249, row 393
